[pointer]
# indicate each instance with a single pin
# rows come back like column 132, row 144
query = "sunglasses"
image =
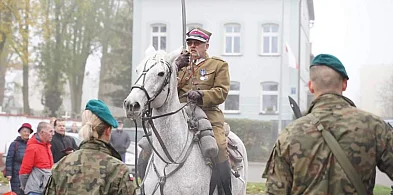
column 196, row 43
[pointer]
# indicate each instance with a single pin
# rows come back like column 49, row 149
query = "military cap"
column 330, row 61
column 199, row 34
column 99, row 108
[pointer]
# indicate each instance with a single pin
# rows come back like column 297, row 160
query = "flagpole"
column 280, row 99
column 299, row 51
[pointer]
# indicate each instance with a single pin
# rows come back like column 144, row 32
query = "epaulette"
column 217, row 58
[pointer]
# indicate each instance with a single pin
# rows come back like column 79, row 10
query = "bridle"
column 143, row 77
column 147, row 117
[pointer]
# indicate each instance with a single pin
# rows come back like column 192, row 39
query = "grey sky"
column 358, row 32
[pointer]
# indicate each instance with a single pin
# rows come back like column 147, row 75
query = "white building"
column 13, row 101
column 251, row 36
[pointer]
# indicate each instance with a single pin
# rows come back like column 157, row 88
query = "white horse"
column 156, row 90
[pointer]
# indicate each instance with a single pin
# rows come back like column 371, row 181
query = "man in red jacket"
column 37, row 161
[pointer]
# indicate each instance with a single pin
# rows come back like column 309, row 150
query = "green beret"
column 99, row 108
column 330, row 61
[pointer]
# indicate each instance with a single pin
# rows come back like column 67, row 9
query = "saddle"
column 201, row 124
column 204, row 134
column 234, row 154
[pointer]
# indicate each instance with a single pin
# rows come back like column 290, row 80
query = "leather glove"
column 183, row 60
column 195, row 96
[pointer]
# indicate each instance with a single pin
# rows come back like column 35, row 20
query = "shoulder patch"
column 217, row 58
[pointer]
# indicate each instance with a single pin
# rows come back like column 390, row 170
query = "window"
column 269, row 39
column 193, row 25
column 158, row 35
column 232, row 39
column 269, row 98
column 231, row 104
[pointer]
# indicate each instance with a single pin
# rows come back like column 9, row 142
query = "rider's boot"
column 144, row 156
column 225, row 172
column 143, row 160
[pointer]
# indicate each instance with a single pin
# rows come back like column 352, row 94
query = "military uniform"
column 302, row 162
column 94, row 169
column 212, row 79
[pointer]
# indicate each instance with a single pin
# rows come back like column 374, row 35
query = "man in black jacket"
column 62, row 145
column 120, row 140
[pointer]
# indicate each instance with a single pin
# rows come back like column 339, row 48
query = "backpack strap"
column 341, row 157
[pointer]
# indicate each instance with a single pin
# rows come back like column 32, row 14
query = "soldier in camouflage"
column 96, row 168
column 301, row 161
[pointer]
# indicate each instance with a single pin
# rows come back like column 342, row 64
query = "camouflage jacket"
column 95, row 168
column 302, row 163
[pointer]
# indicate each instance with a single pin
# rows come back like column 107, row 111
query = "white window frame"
column 232, row 35
column 270, row 34
column 276, row 93
column 193, row 25
column 231, row 92
column 159, row 35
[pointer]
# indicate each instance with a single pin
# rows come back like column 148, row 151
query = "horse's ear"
column 150, row 50
column 174, row 54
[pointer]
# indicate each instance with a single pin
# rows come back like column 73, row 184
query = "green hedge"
column 258, row 137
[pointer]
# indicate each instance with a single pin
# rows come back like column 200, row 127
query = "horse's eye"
column 161, row 74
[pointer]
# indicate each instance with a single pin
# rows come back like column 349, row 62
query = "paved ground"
column 256, row 169
column 255, row 175
column 4, row 188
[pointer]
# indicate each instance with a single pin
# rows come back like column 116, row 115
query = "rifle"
column 295, row 107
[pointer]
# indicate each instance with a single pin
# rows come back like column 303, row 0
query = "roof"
column 310, row 5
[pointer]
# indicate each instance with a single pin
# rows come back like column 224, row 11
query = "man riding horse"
column 205, row 82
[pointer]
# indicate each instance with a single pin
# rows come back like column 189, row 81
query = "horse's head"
column 156, row 75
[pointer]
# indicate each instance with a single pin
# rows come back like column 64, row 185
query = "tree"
column 51, row 64
column 116, row 61
column 5, row 29
column 75, row 28
column 82, row 41
column 23, row 13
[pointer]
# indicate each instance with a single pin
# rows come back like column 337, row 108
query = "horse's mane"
column 150, row 54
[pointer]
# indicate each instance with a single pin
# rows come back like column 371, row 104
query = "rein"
column 148, row 117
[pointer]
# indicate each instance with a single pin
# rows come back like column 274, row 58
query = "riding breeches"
column 216, row 119
column 219, row 134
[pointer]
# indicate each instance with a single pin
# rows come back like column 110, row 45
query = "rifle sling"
column 342, row 158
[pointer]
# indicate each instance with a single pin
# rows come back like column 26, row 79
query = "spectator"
column 120, row 140
column 52, row 120
column 14, row 158
column 37, row 161
column 61, row 142
column 74, row 128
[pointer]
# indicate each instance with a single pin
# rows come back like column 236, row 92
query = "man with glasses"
column 207, row 83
